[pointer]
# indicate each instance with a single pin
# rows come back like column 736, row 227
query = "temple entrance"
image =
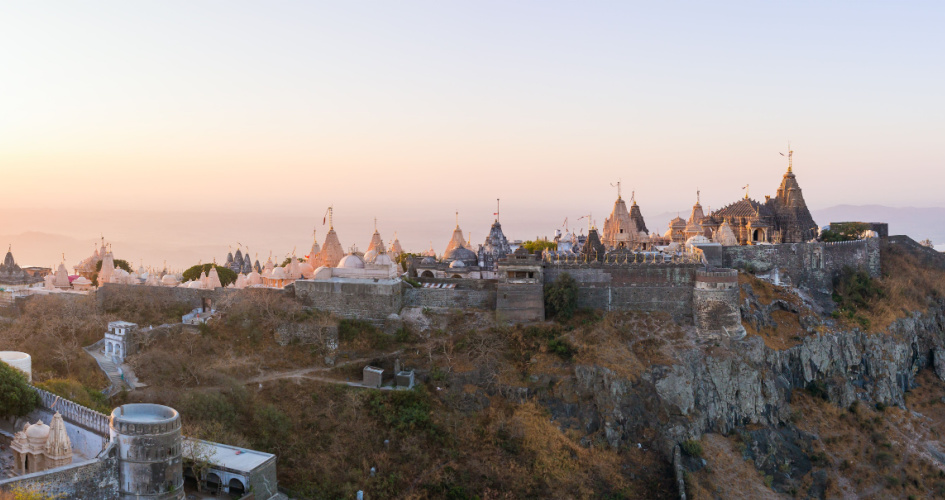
column 756, row 235
column 426, row 274
column 207, row 305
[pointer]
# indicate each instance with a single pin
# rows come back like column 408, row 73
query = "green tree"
column 227, row 276
column 845, row 231
column 404, row 257
column 561, row 297
column 538, row 246
column 16, row 396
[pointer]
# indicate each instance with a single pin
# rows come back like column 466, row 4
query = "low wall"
column 95, row 479
column 87, row 429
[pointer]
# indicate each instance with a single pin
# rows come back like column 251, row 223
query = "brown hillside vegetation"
column 860, row 452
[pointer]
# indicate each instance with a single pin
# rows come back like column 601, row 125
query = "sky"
column 410, row 111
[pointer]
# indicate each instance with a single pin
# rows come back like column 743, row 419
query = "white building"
column 118, row 339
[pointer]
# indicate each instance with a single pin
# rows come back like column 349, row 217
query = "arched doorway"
column 455, row 276
column 237, row 489
column 756, row 235
column 426, row 274
column 213, row 482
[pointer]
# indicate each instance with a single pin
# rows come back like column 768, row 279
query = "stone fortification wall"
column 715, row 303
column 811, row 266
column 95, row 479
column 467, row 294
column 354, row 300
column 651, row 287
column 112, row 294
column 520, row 303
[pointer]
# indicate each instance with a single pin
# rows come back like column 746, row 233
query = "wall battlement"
column 74, row 413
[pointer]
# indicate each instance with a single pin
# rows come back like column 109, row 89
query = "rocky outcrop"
column 727, row 385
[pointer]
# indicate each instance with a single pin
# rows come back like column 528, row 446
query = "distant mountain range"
column 183, row 239
column 919, row 223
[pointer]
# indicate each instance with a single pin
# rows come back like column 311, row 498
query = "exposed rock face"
column 721, row 387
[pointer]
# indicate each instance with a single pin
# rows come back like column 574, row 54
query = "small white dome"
column 37, row 431
column 383, row 260
column 278, row 274
column 351, row 261
column 457, row 263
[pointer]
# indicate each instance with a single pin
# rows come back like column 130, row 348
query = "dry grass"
column 909, row 283
column 726, row 474
column 52, row 329
column 787, row 331
column 628, row 342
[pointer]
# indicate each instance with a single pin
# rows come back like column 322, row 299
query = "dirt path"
column 307, row 373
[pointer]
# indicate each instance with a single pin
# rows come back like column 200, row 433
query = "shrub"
column 562, row 348
column 844, row 232
column 403, row 411
column 691, row 448
column 16, row 396
column 853, row 291
column 561, row 297
column 73, row 390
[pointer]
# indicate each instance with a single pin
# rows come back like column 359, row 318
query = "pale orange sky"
column 412, row 110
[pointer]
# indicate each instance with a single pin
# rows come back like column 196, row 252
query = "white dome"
column 278, row 274
column 38, row 432
column 168, row 280
column 322, row 273
column 383, row 260
column 457, row 263
column 351, row 261
column 371, row 255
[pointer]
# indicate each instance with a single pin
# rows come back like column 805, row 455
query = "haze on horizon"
column 409, row 111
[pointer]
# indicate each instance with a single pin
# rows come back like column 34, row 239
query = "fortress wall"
column 95, row 479
column 811, row 266
column 469, row 293
column 364, row 301
column 520, row 302
column 112, row 293
column 632, row 287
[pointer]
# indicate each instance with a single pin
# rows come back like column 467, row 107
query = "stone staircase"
column 110, row 368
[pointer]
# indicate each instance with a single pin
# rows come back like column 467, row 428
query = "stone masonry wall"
column 811, row 266
column 632, row 287
column 520, row 303
column 354, row 300
column 95, row 479
column 716, row 303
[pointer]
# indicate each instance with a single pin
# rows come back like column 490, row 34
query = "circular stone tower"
column 149, row 452
column 715, row 303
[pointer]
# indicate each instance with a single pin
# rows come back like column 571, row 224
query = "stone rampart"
column 520, row 302
column 354, row 299
column 649, row 287
column 466, row 294
column 716, row 303
column 95, row 479
column 811, row 266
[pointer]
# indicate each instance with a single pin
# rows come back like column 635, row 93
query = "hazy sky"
column 411, row 110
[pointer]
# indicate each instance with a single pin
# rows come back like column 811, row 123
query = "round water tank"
column 20, row 361
column 149, row 452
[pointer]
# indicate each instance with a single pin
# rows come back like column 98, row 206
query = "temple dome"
column 37, row 433
column 462, row 254
column 278, row 273
column 371, row 255
column 457, row 263
column 351, row 261
column 382, row 260
column 428, row 261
